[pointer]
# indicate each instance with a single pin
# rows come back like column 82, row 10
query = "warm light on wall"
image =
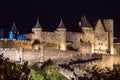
column 104, row 47
column 35, row 47
column 62, row 47
column 92, row 48
column 112, row 52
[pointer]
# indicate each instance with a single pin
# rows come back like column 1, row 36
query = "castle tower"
column 88, row 31
column 13, row 33
column 62, row 35
column 37, row 30
column 101, row 38
column 109, row 26
column 86, row 26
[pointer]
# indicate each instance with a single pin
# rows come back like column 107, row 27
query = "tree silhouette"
column 12, row 71
column 103, row 74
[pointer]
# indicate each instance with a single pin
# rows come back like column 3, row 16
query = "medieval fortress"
column 90, row 40
column 64, row 46
column 61, row 44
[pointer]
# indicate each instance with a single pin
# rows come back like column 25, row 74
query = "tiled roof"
column 61, row 25
column 13, row 28
column 37, row 24
column 85, row 22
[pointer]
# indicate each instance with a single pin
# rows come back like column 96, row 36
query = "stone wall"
column 50, row 37
column 11, row 53
column 106, row 61
column 21, row 55
column 85, row 47
column 117, row 48
column 74, row 38
column 58, row 54
column 67, row 73
column 7, row 43
column 32, row 56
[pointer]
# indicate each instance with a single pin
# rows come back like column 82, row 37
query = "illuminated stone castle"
column 92, row 39
column 89, row 40
column 63, row 46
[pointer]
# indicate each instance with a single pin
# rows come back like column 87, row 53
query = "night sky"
column 25, row 12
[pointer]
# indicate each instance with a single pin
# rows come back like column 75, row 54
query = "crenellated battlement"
column 61, row 44
column 21, row 54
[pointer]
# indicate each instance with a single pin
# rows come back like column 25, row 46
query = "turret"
column 13, row 33
column 37, row 30
column 62, row 35
column 88, row 32
column 85, row 25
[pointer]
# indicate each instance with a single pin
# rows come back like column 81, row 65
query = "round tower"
column 37, row 30
column 109, row 26
column 62, row 35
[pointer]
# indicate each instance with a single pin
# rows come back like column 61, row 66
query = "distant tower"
column 88, row 31
column 37, row 30
column 62, row 35
column 13, row 33
column 109, row 26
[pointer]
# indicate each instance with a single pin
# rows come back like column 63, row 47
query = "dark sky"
column 25, row 13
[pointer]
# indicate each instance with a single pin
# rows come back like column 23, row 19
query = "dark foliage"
column 12, row 71
column 103, row 74
column 46, row 63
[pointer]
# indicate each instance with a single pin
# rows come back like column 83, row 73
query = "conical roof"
column 85, row 22
column 37, row 24
column 61, row 25
column 13, row 28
